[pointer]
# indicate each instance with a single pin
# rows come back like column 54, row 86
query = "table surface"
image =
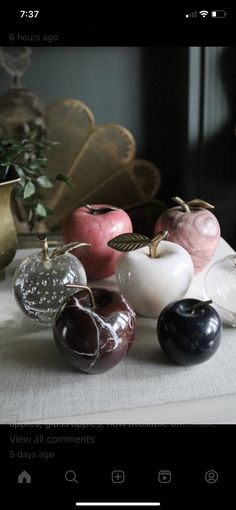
column 38, row 386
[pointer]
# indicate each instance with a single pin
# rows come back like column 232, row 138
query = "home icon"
column 24, row 477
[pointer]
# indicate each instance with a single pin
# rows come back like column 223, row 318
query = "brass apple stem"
column 44, row 242
column 84, row 287
column 196, row 203
column 198, row 305
column 155, row 242
column 67, row 248
column 181, row 202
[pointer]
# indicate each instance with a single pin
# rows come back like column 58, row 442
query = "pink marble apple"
column 96, row 224
column 192, row 226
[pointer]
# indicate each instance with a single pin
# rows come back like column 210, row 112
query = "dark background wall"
column 107, row 79
column 210, row 159
column 179, row 103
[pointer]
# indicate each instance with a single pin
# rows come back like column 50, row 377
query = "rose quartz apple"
column 194, row 227
column 96, row 224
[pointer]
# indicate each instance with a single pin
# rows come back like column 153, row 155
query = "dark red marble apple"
column 97, row 224
column 194, row 227
column 94, row 329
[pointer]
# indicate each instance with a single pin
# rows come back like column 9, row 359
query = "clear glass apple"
column 39, row 281
column 220, row 286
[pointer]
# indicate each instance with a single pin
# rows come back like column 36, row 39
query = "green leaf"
column 41, row 211
column 36, row 163
column 34, row 173
column 29, row 189
column 129, row 242
column 19, row 171
column 66, row 179
column 5, row 171
column 44, row 182
column 32, row 135
column 22, row 182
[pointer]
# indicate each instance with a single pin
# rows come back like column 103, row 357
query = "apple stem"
column 181, row 202
column 83, row 287
column 196, row 203
column 100, row 210
column 155, row 242
column 44, row 242
column 198, row 305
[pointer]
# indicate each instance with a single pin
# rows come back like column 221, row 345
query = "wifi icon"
column 203, row 13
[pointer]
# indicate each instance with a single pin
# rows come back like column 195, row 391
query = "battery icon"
column 218, row 14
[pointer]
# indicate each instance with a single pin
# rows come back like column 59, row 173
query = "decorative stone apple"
column 194, row 227
column 39, row 281
column 94, row 329
column 96, row 224
column 189, row 331
column 153, row 275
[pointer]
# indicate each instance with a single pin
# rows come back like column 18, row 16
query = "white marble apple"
column 153, row 275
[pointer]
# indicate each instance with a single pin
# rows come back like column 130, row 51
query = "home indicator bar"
column 119, row 504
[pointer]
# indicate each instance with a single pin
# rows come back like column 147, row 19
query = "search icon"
column 70, row 476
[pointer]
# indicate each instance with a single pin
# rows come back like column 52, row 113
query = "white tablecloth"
column 36, row 383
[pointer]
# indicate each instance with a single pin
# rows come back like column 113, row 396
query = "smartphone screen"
column 117, row 258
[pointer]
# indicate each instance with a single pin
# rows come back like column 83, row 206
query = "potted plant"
column 22, row 181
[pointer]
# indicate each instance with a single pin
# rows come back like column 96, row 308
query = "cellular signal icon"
column 203, row 13
column 191, row 15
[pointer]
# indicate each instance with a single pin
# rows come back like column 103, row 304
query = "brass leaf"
column 129, row 242
column 197, row 202
column 67, row 247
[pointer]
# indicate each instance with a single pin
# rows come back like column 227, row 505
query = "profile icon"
column 211, row 476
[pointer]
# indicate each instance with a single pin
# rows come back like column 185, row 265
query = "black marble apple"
column 94, row 329
column 189, row 331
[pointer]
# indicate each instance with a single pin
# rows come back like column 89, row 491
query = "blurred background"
column 178, row 103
